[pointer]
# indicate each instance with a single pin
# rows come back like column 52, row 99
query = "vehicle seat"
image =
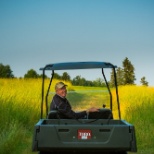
column 102, row 114
column 53, row 114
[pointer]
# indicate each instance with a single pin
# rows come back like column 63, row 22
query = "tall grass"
column 20, row 110
column 20, row 103
column 137, row 107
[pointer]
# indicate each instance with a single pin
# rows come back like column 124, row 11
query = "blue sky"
column 34, row 33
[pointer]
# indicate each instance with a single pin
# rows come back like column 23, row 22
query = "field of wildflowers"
column 20, row 109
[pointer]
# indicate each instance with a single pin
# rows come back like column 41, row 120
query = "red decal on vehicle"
column 84, row 134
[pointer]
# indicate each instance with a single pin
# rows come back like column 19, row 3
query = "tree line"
column 125, row 76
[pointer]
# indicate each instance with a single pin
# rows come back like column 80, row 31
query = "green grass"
column 139, row 111
column 20, row 111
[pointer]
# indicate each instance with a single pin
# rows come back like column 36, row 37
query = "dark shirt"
column 65, row 109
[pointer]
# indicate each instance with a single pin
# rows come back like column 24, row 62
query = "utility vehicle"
column 98, row 133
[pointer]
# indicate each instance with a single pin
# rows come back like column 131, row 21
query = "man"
column 60, row 103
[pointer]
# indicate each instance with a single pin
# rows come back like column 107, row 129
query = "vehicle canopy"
column 78, row 65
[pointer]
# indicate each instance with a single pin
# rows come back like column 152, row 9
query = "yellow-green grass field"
column 20, row 110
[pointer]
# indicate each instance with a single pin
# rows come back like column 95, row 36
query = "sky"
column 34, row 33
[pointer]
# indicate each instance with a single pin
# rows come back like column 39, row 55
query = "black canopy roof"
column 78, row 65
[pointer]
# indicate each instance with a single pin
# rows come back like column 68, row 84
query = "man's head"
column 60, row 88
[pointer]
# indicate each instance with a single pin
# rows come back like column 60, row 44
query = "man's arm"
column 66, row 110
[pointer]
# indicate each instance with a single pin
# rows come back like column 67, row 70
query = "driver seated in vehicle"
column 62, row 105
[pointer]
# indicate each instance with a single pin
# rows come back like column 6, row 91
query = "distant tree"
column 31, row 74
column 82, row 82
column 76, row 80
column 79, row 81
column 5, row 71
column 112, row 78
column 143, row 81
column 98, row 82
column 128, row 70
column 119, row 77
column 57, row 76
column 89, row 83
column 66, row 77
column 40, row 76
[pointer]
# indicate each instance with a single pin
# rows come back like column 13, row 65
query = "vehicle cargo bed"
column 84, row 134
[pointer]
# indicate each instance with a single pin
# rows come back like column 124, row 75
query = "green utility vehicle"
column 99, row 132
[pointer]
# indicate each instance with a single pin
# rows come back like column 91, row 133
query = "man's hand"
column 93, row 109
